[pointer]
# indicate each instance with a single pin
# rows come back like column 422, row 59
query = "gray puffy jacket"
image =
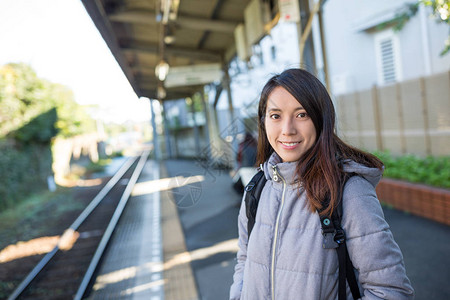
column 284, row 258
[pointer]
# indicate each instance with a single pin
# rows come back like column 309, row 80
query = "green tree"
column 24, row 96
column 72, row 117
column 21, row 97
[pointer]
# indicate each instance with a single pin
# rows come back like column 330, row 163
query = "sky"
column 61, row 43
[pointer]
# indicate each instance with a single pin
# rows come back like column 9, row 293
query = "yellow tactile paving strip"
column 179, row 282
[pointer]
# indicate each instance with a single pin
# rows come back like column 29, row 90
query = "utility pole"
column 306, row 46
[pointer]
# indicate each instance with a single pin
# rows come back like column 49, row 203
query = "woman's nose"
column 288, row 127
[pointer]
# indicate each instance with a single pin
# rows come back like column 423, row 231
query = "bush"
column 24, row 170
column 431, row 170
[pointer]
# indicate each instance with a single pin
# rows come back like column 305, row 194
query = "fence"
column 407, row 117
column 65, row 150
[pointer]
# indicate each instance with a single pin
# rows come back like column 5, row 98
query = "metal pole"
column 155, row 133
column 228, row 88
column 196, row 134
column 233, row 123
column 216, row 127
column 205, row 106
column 166, row 131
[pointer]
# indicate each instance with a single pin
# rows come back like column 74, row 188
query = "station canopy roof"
column 196, row 32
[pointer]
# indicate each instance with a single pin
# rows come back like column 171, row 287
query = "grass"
column 35, row 216
column 85, row 168
column 97, row 167
column 38, row 214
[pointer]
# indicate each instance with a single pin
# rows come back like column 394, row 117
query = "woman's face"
column 289, row 129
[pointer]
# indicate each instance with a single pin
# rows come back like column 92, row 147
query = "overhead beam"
column 201, row 24
column 183, row 21
column 145, row 71
column 180, row 89
column 178, row 51
column 171, row 95
column 214, row 15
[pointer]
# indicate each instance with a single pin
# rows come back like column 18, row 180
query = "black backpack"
column 333, row 234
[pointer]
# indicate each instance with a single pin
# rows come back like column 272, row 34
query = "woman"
column 304, row 162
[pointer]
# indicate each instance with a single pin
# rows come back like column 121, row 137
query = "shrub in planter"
column 431, row 170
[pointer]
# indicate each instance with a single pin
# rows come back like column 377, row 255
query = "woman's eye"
column 274, row 116
column 302, row 115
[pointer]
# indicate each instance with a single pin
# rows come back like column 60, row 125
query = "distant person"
column 246, row 156
column 305, row 163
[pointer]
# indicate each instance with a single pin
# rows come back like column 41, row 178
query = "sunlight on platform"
column 151, row 267
column 202, row 253
column 124, row 274
column 164, row 184
column 154, row 285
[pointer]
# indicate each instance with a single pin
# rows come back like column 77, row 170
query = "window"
column 387, row 56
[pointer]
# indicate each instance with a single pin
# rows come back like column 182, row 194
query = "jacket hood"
column 372, row 175
column 288, row 170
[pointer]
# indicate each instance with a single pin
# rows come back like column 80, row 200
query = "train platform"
column 139, row 263
column 177, row 239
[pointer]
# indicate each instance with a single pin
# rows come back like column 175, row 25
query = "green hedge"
column 430, row 170
column 26, row 159
column 24, row 170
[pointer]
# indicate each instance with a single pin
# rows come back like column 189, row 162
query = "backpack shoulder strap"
column 252, row 194
column 334, row 238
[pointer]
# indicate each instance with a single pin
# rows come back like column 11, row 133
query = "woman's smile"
column 289, row 145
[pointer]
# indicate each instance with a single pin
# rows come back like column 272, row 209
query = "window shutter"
column 387, row 55
column 387, row 61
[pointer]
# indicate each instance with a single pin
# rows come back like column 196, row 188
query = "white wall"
column 351, row 48
column 438, row 34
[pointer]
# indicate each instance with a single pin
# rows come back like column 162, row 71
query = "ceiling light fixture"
column 161, row 92
column 161, row 70
column 169, row 39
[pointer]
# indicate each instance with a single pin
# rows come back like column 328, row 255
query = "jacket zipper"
column 272, row 275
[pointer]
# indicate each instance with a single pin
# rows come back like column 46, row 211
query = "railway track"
column 67, row 271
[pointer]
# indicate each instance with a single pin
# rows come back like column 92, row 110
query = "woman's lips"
column 289, row 145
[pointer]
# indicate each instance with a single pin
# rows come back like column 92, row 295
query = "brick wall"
column 418, row 199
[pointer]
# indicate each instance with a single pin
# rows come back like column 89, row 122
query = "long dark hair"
column 319, row 168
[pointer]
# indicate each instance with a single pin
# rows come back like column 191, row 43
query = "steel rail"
column 81, row 218
column 111, row 226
